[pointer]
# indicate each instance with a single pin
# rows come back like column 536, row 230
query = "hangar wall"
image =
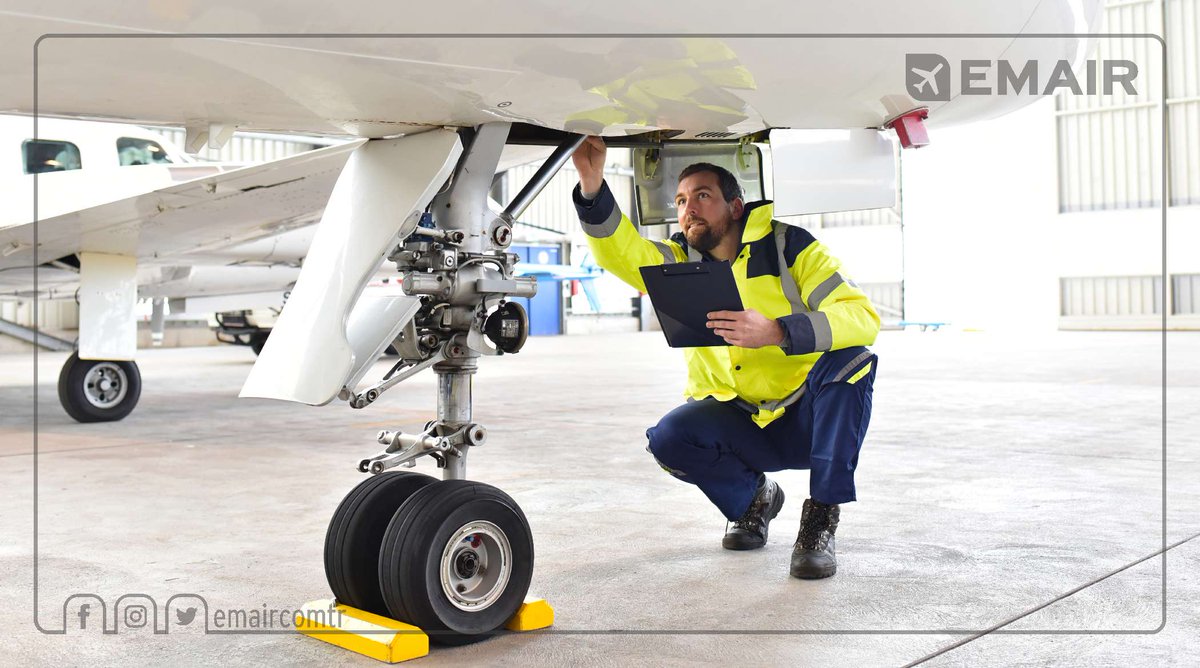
column 1052, row 217
column 1111, row 176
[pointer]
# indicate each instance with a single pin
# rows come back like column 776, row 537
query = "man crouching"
column 793, row 388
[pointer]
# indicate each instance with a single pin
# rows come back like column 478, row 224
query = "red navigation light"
column 910, row 128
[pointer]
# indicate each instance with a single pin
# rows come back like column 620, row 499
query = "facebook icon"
column 84, row 611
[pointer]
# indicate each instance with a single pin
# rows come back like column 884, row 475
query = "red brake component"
column 910, row 128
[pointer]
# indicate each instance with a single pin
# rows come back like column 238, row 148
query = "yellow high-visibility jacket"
column 820, row 309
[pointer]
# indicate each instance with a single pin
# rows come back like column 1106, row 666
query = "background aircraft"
column 106, row 185
column 98, row 183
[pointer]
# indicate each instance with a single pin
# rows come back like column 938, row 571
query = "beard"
column 704, row 238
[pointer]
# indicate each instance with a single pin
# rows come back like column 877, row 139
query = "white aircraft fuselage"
column 381, row 69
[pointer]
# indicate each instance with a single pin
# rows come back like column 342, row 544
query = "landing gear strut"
column 451, row 557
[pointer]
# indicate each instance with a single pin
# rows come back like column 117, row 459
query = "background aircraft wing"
column 185, row 224
column 166, row 225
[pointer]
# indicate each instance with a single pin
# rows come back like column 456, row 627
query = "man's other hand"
column 746, row 329
column 589, row 162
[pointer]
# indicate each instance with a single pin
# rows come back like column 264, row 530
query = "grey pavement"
column 1000, row 473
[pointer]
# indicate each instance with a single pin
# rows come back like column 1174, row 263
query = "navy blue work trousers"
column 715, row 445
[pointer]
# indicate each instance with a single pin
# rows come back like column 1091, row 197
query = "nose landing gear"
column 412, row 559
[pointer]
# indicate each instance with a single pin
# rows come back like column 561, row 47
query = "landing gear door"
column 822, row 171
column 656, row 174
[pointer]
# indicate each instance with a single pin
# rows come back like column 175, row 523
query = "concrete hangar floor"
column 999, row 474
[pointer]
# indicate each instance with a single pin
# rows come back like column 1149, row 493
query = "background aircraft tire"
column 98, row 390
column 356, row 532
column 257, row 341
column 456, row 561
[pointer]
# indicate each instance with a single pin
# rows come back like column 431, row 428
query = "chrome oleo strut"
column 455, row 262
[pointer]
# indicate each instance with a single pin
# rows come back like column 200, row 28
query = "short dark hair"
column 730, row 188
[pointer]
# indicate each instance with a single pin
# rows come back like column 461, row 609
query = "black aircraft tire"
column 463, row 537
column 356, row 531
column 257, row 341
column 98, row 390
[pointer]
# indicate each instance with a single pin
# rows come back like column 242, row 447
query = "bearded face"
column 704, row 235
column 704, row 215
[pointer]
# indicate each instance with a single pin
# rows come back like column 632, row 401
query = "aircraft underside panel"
column 593, row 83
column 309, row 356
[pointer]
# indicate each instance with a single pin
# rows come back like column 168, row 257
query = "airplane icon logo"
column 927, row 77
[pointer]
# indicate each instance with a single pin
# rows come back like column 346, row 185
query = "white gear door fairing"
column 107, row 296
column 823, row 171
column 309, row 357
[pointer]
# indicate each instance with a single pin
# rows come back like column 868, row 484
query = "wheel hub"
column 466, row 564
column 105, row 385
column 476, row 566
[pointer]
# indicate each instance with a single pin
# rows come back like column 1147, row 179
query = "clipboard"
column 685, row 293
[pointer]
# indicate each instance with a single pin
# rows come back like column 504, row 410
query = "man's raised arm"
column 614, row 240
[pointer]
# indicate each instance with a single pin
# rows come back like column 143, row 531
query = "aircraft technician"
column 791, row 391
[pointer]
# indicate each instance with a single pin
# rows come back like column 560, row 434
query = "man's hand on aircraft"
column 746, row 329
column 589, row 162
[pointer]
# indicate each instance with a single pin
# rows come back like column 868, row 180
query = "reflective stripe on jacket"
column 825, row 311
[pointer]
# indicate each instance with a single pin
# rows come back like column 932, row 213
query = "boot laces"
column 814, row 525
column 751, row 520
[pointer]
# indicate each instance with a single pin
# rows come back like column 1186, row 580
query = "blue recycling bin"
column 545, row 308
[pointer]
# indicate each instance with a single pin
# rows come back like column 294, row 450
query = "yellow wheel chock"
column 389, row 640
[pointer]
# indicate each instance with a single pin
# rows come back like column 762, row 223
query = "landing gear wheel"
column 98, row 390
column 456, row 561
column 356, row 532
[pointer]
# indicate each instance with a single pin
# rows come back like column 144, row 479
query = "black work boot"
column 813, row 556
column 749, row 532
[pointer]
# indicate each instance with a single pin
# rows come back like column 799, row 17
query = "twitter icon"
column 185, row 617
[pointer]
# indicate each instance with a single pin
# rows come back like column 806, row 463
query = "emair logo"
column 928, row 77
